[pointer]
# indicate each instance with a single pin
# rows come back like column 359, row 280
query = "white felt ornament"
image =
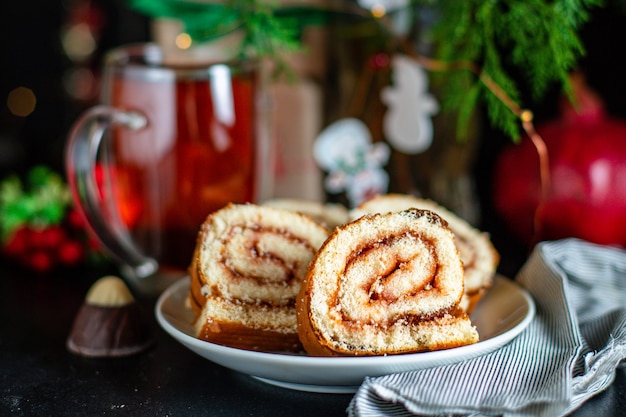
column 407, row 123
column 354, row 164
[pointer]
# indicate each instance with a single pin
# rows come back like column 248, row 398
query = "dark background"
column 32, row 55
column 604, row 68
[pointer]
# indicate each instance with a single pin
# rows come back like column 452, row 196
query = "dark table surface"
column 40, row 377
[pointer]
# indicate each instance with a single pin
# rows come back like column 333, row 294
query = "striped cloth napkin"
column 567, row 354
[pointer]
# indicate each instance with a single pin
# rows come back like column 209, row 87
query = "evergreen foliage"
column 535, row 42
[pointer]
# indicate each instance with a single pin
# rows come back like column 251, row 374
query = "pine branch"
column 536, row 38
column 533, row 42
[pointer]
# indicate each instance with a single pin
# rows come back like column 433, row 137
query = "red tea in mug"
column 168, row 145
column 196, row 154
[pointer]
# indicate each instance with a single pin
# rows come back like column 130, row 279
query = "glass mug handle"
column 80, row 157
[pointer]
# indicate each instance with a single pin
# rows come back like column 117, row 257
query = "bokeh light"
column 78, row 42
column 81, row 84
column 378, row 10
column 21, row 101
column 183, row 41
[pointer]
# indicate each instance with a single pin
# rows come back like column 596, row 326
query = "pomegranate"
column 586, row 197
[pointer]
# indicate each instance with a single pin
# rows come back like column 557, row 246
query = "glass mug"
column 169, row 144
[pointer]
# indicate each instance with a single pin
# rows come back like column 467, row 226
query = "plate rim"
column 345, row 362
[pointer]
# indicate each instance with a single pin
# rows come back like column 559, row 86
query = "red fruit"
column 17, row 244
column 587, row 198
column 71, row 252
column 35, row 238
column 52, row 236
column 75, row 219
column 40, row 261
column 44, row 238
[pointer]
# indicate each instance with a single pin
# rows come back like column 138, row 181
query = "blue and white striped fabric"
column 566, row 355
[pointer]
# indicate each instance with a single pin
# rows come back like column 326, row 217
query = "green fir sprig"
column 534, row 42
column 268, row 30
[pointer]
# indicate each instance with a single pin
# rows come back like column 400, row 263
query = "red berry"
column 52, row 236
column 17, row 244
column 40, row 261
column 70, row 252
column 35, row 238
column 75, row 219
column 45, row 238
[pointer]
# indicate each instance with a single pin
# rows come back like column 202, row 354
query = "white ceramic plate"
column 502, row 314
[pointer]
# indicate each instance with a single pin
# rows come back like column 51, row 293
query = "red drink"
column 168, row 145
column 196, row 154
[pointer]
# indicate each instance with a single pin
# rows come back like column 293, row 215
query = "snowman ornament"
column 355, row 165
column 407, row 123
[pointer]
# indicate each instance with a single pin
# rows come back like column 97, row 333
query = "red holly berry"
column 35, row 238
column 17, row 244
column 71, row 252
column 52, row 236
column 44, row 238
column 75, row 219
column 40, row 261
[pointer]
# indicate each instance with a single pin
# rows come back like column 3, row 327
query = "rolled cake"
column 246, row 271
column 479, row 256
column 385, row 284
column 329, row 214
